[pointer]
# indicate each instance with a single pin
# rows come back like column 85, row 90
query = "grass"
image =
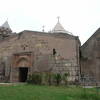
column 34, row 92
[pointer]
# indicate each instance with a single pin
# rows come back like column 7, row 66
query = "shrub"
column 65, row 78
column 35, row 78
column 48, row 78
column 57, row 78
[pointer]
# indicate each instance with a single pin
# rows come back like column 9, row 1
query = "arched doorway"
column 23, row 65
column 23, row 72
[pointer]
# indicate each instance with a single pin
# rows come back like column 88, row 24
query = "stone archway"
column 23, row 62
column 21, row 66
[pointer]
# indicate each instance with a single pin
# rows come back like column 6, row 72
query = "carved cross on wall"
column 24, row 46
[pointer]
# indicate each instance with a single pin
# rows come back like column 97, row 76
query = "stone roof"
column 97, row 32
column 62, row 35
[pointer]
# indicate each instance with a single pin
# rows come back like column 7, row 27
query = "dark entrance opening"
column 23, row 74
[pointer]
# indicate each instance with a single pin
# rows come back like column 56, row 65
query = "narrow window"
column 54, row 51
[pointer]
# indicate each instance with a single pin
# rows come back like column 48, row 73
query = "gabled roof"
column 6, row 25
column 94, row 35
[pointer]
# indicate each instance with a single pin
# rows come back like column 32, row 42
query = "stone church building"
column 90, row 57
column 24, row 53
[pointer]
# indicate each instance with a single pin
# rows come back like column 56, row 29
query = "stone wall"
column 90, row 57
column 41, row 45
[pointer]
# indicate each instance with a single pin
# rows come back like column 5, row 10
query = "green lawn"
column 33, row 92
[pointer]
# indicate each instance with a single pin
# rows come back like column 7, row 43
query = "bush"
column 65, row 78
column 48, row 78
column 35, row 78
column 57, row 78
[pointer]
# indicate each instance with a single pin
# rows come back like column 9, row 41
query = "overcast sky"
column 81, row 17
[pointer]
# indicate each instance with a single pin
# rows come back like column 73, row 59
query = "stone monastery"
column 57, row 51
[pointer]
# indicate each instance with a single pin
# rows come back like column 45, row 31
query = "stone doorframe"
column 23, row 59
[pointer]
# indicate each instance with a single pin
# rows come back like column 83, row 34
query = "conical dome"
column 58, row 28
column 6, row 25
